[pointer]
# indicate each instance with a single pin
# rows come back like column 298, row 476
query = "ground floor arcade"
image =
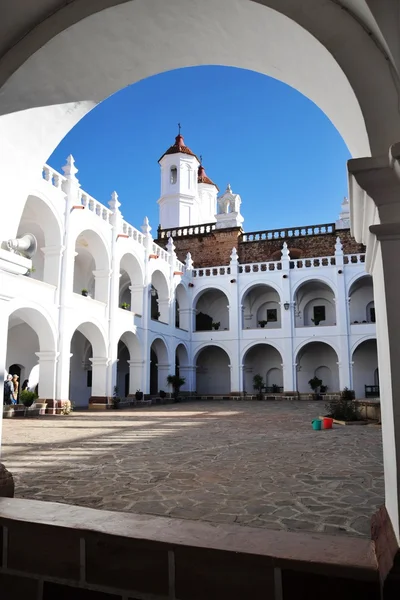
column 87, row 366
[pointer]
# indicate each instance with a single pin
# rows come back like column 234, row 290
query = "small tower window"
column 173, row 176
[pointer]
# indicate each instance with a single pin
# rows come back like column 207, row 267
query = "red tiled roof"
column 202, row 177
column 179, row 146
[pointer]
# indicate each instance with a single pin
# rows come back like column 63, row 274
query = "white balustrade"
column 52, row 177
column 306, row 263
column 133, row 233
column 260, row 267
column 211, row 271
column 353, row 259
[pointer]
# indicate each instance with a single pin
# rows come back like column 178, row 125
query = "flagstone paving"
column 253, row 463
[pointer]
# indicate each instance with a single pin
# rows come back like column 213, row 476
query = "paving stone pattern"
column 253, row 463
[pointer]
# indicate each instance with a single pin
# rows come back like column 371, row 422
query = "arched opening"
column 131, row 284
column 159, row 366
column 365, row 370
column 317, row 359
column 213, row 371
column 361, row 301
column 91, row 267
column 315, row 305
column 39, row 219
column 212, row 310
column 88, row 366
column 159, row 297
column 173, row 175
column 30, row 341
column 261, row 308
column 130, row 365
column 182, row 320
column 264, row 360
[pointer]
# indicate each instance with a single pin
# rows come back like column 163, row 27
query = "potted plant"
column 176, row 382
column 275, row 388
column 125, row 306
column 27, row 398
column 163, row 394
column 216, row 325
column 116, row 399
column 316, row 321
column 258, row 384
column 84, row 292
column 315, row 384
column 323, row 389
column 139, row 395
column 262, row 323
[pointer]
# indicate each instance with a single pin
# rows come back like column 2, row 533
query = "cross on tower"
column 179, row 128
column 201, row 159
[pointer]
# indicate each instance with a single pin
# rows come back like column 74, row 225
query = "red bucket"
column 327, row 423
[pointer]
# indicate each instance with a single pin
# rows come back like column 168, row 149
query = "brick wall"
column 210, row 249
column 51, row 551
column 214, row 249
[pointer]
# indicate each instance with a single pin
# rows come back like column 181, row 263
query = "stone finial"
column 189, row 262
column 228, row 189
column 338, row 246
column 234, row 256
column 171, row 245
column 146, row 226
column 114, row 203
column 70, row 169
column 285, row 251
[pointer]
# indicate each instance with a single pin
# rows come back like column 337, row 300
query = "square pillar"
column 102, row 285
column 136, row 376
column 163, row 371
column 47, row 376
column 52, row 264
column 99, row 380
column 189, row 373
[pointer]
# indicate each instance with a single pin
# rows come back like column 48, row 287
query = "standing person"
column 16, row 386
column 8, row 390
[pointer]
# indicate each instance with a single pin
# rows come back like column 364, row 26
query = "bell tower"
column 179, row 202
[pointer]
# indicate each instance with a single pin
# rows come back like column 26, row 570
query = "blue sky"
column 273, row 145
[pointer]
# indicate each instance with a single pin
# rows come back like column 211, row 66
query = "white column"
column 102, row 283
column 47, row 375
column 235, row 375
column 287, row 323
column 164, row 310
column 342, row 325
column 71, row 189
column 189, row 373
column 185, row 318
column 136, row 375
column 146, row 317
column 136, row 298
column 99, row 378
column 235, row 328
column 52, row 264
column 164, row 369
column 375, row 211
column 110, row 286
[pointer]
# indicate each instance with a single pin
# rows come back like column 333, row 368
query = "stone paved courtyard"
column 256, row 463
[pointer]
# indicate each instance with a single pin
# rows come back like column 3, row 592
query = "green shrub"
column 27, row 398
column 344, row 408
